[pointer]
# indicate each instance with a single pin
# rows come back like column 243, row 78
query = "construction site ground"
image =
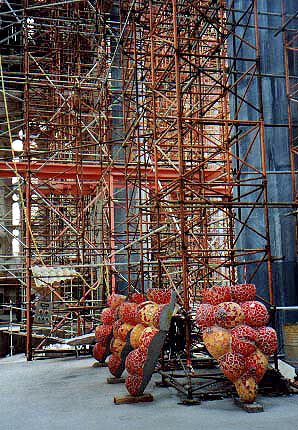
column 70, row 394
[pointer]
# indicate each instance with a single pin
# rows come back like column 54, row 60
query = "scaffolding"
column 143, row 160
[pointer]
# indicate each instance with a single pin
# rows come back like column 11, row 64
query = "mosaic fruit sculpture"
column 217, row 341
column 159, row 296
column 108, row 316
column 255, row 313
column 235, row 333
column 243, row 292
column 115, row 300
column 267, row 340
column 148, row 338
column 246, row 388
column 217, row 294
column 99, row 352
column 228, row 314
column 135, row 335
column 205, row 316
column 256, row 365
column 114, row 363
column 232, row 365
column 133, row 384
column 123, row 331
column 146, row 313
column 128, row 313
column 135, row 362
column 102, row 332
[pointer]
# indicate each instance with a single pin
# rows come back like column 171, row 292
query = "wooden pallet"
column 146, row 397
column 115, row 380
column 98, row 364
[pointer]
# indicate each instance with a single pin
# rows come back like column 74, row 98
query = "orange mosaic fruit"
column 146, row 313
column 232, row 365
column 256, row 365
column 246, row 388
column 117, row 324
column 135, row 335
column 216, row 294
column 255, row 313
column 123, row 330
column 243, row 292
column 113, row 364
column 108, row 316
column 117, row 346
column 217, row 341
column 267, row 340
column 228, row 314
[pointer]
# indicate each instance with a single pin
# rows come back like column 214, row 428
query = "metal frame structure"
column 139, row 166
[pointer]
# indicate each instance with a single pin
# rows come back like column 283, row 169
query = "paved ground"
column 69, row 394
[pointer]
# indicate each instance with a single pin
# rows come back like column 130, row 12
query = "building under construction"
column 145, row 144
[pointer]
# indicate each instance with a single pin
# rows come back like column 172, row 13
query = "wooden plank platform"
column 98, row 364
column 249, row 407
column 115, row 380
column 146, row 397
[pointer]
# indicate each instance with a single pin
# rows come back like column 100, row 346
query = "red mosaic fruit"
column 135, row 335
column 99, row 352
column 102, row 332
column 255, row 313
column 245, row 332
column 123, row 330
column 115, row 300
column 243, row 347
column 107, row 316
column 156, row 317
column 256, row 365
column 232, row 365
column 117, row 346
column 135, row 361
column 137, row 298
column 159, row 296
column 128, row 313
column 217, row 341
column 146, row 313
column 243, row 340
column 146, row 338
column 117, row 324
column 246, row 388
column 216, row 294
column 267, row 340
column 205, row 316
column 133, row 383
column 243, row 292
column 228, row 314
column 113, row 364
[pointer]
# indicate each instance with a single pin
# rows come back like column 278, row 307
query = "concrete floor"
column 70, row 394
